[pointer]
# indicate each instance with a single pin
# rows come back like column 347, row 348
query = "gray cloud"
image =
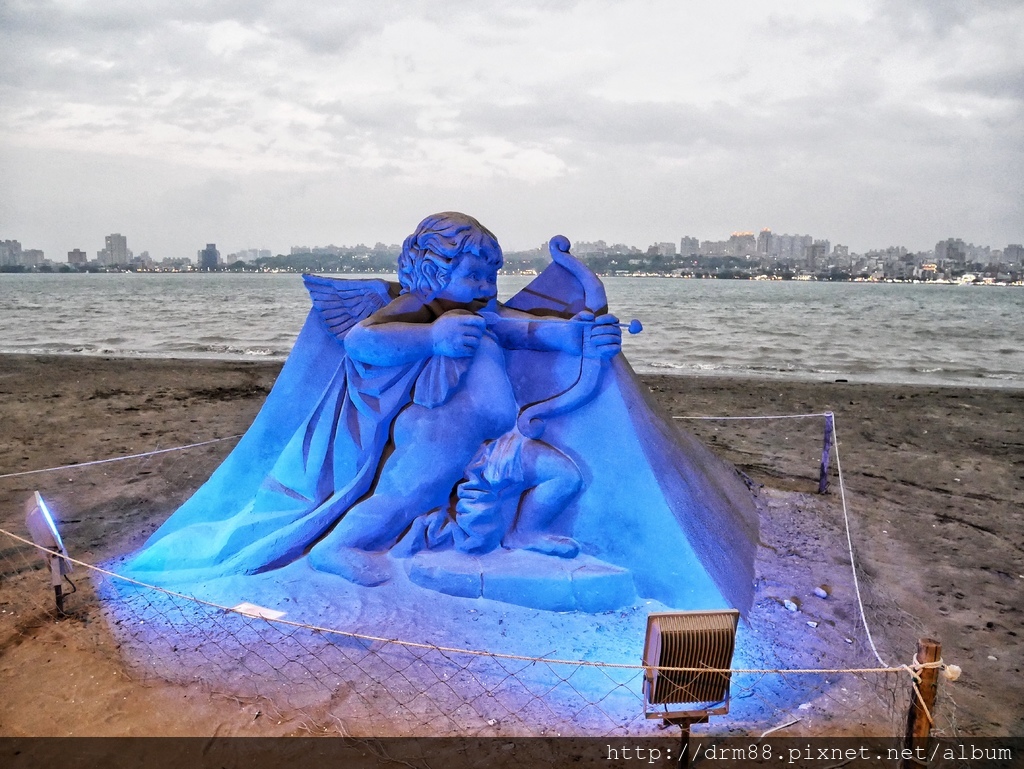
column 1007, row 82
column 803, row 116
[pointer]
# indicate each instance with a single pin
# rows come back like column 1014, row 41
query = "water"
column 893, row 333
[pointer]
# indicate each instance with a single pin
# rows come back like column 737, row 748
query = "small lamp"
column 43, row 531
column 694, row 640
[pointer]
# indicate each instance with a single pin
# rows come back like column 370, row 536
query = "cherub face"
column 473, row 281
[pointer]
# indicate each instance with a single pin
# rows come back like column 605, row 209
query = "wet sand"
column 934, row 482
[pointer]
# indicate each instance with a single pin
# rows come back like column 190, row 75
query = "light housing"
column 43, row 530
column 694, row 640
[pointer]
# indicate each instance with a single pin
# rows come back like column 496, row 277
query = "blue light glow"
column 49, row 521
column 405, row 445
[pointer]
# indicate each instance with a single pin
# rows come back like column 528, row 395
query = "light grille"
column 689, row 640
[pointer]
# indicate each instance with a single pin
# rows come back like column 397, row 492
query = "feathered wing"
column 260, row 507
column 343, row 302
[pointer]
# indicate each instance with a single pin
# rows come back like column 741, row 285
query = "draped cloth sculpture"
column 425, row 431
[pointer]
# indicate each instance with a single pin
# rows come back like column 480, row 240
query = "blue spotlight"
column 43, row 530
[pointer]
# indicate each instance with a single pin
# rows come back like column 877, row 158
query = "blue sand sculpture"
column 424, row 430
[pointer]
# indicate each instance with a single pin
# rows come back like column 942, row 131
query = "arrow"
column 633, row 327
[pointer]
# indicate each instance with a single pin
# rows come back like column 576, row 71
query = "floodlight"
column 679, row 648
column 43, row 530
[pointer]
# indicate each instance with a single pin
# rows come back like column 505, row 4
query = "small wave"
column 218, row 349
column 1007, row 377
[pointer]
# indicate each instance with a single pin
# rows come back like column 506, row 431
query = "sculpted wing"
column 341, row 302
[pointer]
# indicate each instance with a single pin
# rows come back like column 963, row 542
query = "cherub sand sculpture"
column 426, row 431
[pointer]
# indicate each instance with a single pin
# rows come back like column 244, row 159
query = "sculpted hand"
column 457, row 334
column 603, row 339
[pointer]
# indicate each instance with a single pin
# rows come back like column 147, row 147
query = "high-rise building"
column 10, row 253
column 764, row 241
column 817, row 254
column 790, row 247
column 250, row 255
column 715, row 248
column 209, row 257
column 742, row 244
column 116, row 250
column 32, row 257
column 688, row 245
column 78, row 257
column 952, row 251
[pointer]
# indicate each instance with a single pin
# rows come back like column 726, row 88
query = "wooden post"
column 684, row 746
column 918, row 724
column 826, row 452
column 685, row 760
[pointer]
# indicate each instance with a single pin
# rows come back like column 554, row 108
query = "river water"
column 891, row 333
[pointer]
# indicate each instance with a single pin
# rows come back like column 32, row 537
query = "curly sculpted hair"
column 429, row 255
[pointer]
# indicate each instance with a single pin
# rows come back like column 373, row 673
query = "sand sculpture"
column 425, row 431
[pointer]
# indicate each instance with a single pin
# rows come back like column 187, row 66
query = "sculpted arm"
column 403, row 332
column 584, row 334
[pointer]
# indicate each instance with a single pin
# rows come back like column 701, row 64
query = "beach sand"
column 933, row 480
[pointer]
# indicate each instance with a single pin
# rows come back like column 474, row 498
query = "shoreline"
column 275, row 363
column 761, row 276
column 933, row 475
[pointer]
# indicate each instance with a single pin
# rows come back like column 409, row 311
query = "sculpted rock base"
column 526, row 579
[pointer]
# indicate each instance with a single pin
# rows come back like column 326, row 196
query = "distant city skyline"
column 767, row 242
column 870, row 123
column 743, row 255
column 115, row 247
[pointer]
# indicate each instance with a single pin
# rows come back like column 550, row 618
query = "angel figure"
column 425, row 420
column 448, row 326
column 422, row 389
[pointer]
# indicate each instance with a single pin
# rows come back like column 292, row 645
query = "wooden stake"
column 922, row 702
column 684, row 747
column 826, row 452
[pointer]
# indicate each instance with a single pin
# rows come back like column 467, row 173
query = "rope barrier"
column 470, row 652
column 913, row 669
column 885, row 667
column 846, row 515
column 119, row 459
column 778, row 416
column 849, row 545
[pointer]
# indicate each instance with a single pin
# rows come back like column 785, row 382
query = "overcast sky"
column 271, row 124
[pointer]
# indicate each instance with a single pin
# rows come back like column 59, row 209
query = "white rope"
column 781, row 416
column 451, row 649
column 777, row 728
column 118, row 459
column 849, row 544
column 846, row 516
column 842, row 493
